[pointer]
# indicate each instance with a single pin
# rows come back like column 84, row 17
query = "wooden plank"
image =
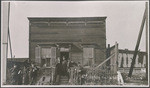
column 104, row 61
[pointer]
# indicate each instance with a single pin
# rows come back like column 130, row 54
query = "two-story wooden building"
column 80, row 39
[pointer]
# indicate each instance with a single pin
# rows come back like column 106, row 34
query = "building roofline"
column 36, row 18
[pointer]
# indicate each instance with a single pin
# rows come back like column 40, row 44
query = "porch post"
column 70, row 52
column 58, row 51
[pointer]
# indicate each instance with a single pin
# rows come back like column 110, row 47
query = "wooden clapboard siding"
column 99, row 56
column 82, row 37
column 80, row 30
column 32, row 51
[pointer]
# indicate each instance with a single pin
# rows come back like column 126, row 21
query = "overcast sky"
column 122, row 24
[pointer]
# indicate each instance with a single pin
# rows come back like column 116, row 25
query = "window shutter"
column 88, row 54
column 53, row 55
column 37, row 55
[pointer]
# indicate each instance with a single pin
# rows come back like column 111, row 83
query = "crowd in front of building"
column 29, row 73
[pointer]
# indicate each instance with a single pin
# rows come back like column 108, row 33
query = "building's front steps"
column 64, row 80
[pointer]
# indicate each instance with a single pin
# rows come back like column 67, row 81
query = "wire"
column 9, row 30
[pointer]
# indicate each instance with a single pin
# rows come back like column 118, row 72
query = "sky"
column 122, row 24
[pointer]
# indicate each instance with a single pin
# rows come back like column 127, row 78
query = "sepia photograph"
column 75, row 43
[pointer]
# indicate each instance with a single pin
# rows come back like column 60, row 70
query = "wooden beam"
column 105, row 61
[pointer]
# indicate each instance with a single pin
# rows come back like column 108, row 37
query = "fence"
column 104, row 74
column 100, row 75
column 74, row 76
column 47, row 76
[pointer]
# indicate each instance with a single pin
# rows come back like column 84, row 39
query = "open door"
column 65, row 55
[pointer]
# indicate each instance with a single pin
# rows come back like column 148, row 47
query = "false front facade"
column 80, row 39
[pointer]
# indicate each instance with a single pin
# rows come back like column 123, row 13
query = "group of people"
column 25, row 75
column 63, row 68
column 28, row 73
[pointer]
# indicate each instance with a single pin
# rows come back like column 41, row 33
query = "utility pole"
column 137, row 45
column 5, row 27
column 146, row 5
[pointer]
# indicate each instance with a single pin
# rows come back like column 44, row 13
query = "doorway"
column 64, row 54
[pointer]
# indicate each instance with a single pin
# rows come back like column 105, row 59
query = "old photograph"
column 75, row 43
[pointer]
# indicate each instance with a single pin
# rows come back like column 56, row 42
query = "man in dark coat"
column 33, row 74
column 26, row 76
column 81, row 73
column 14, row 75
column 20, row 76
column 58, row 72
column 64, row 67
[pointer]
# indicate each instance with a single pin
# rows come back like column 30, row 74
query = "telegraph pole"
column 137, row 44
column 5, row 27
column 146, row 5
